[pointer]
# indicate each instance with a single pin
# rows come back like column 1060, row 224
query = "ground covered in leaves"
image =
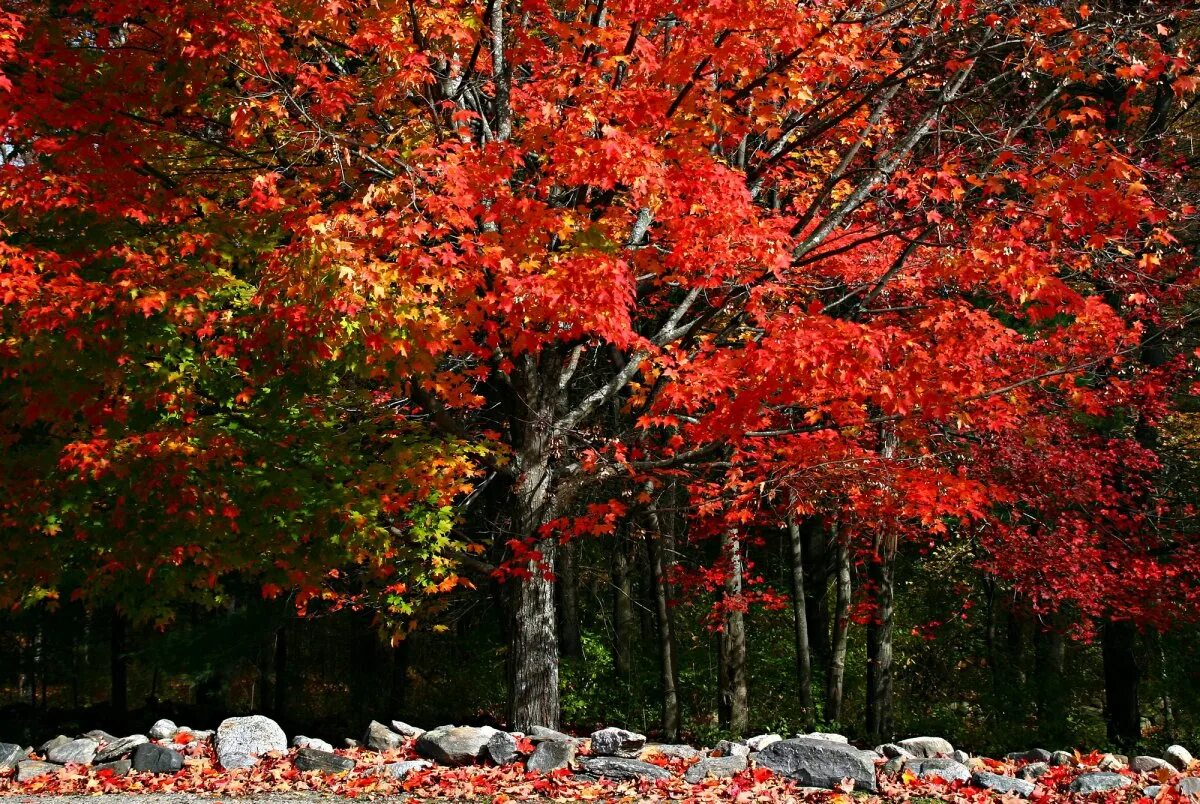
column 277, row 774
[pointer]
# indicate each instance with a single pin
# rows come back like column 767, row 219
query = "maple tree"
column 495, row 276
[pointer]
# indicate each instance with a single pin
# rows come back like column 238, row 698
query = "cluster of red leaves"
column 277, row 773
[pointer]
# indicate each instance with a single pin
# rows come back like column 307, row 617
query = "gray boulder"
column 670, row 751
column 729, row 748
column 240, row 741
column 74, row 752
column 301, row 741
column 614, row 742
column 151, row 758
column 1099, row 783
column 100, row 736
column 313, row 759
column 380, row 738
column 892, row 751
column 763, row 740
column 1145, row 764
column 32, row 769
column 1152, row 791
column 1060, row 758
column 455, row 745
column 819, row 763
column 502, row 748
column 120, row 767
column 54, row 742
column 610, row 767
column 1178, row 756
column 398, row 770
column 942, row 768
column 960, row 756
column 405, row 730
column 1032, row 755
column 927, row 747
column 551, row 755
column 825, row 735
column 1113, row 762
column 716, row 768
column 539, row 733
column 10, row 755
column 1189, row 786
column 119, row 748
column 1034, row 770
column 893, row 765
column 163, row 729
column 1002, row 784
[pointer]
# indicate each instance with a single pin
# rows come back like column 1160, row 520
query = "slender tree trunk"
column 533, row 651
column 118, row 666
column 733, row 708
column 1121, row 676
column 841, row 632
column 622, row 607
column 279, row 703
column 879, row 640
column 570, row 639
column 660, row 547
column 800, row 622
column 817, row 570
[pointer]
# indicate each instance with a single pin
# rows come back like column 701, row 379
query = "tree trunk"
column 279, row 702
column 879, row 640
column 622, row 607
column 800, row 621
column 1121, row 676
column 118, row 666
column 733, row 710
column 660, row 547
column 533, row 651
column 398, row 692
column 841, row 633
column 570, row 639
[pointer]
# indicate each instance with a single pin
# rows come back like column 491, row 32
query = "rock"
column 32, row 769
column 1099, row 782
column 1178, row 756
column 151, row 758
column 74, row 752
column 819, row 763
column 199, row 735
column 669, row 751
column 927, row 747
column 1002, row 784
column 977, row 764
column 1145, row 764
column 611, row 767
column 1032, row 755
column 551, row 755
column 1060, row 758
column 825, row 735
column 300, row 741
column 100, row 736
column 1152, row 791
column 728, row 748
column 240, row 741
column 893, row 765
column 121, row 767
column 891, row 751
column 54, row 742
column 539, row 733
column 119, row 748
column 960, row 756
column 163, row 729
column 614, row 742
column 10, row 755
column 398, row 770
column 1034, row 770
column 716, row 767
column 763, row 740
column 1111, row 762
column 405, row 730
column 314, row 759
column 455, row 745
column 380, row 738
column 942, row 768
column 1189, row 786
column 502, row 748
column 349, row 743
